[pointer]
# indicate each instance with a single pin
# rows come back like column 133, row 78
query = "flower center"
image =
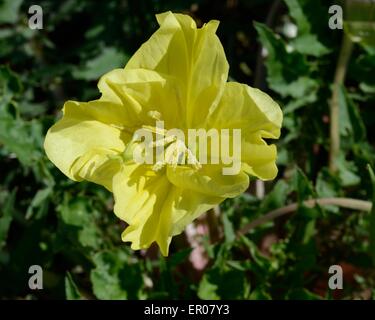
column 170, row 149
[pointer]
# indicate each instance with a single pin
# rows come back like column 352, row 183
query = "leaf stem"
column 339, row 79
column 349, row 203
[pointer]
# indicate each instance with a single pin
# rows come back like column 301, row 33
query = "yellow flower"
column 178, row 76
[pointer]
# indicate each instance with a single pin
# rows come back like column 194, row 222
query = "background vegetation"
column 69, row 228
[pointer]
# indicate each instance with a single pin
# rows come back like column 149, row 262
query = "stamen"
column 175, row 150
column 158, row 166
column 157, row 130
column 156, row 115
column 163, row 142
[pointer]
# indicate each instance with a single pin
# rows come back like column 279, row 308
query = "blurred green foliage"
column 69, row 228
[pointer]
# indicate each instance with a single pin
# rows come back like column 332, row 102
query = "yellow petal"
column 139, row 197
column 154, row 209
column 259, row 158
column 188, row 205
column 79, row 144
column 112, row 87
column 208, row 180
column 248, row 109
column 97, row 165
column 194, row 58
column 141, row 92
column 258, row 117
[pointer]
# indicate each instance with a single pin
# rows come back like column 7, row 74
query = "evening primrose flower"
column 179, row 76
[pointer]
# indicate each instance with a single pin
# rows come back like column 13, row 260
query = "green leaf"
column 303, row 88
column 260, row 264
column 344, row 120
column 109, row 58
column 347, row 171
column 324, row 186
column 358, row 127
column 179, row 257
column 307, row 15
column 284, row 69
column 9, row 10
column 71, row 289
column 219, row 284
column 105, row 277
column 114, row 277
column 79, row 213
column 89, row 236
column 23, row 138
column 310, row 45
column 302, row 185
column 74, row 211
column 39, row 199
column 10, row 84
column 276, row 198
column 304, row 91
column 229, row 233
column 367, row 88
column 18, row 136
column 207, row 290
column 297, row 12
column 327, row 186
column 351, row 123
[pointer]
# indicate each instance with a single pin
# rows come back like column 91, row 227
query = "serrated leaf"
column 307, row 15
column 89, row 236
column 74, row 211
column 78, row 213
column 310, row 45
column 109, row 58
column 114, row 277
column 283, row 67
